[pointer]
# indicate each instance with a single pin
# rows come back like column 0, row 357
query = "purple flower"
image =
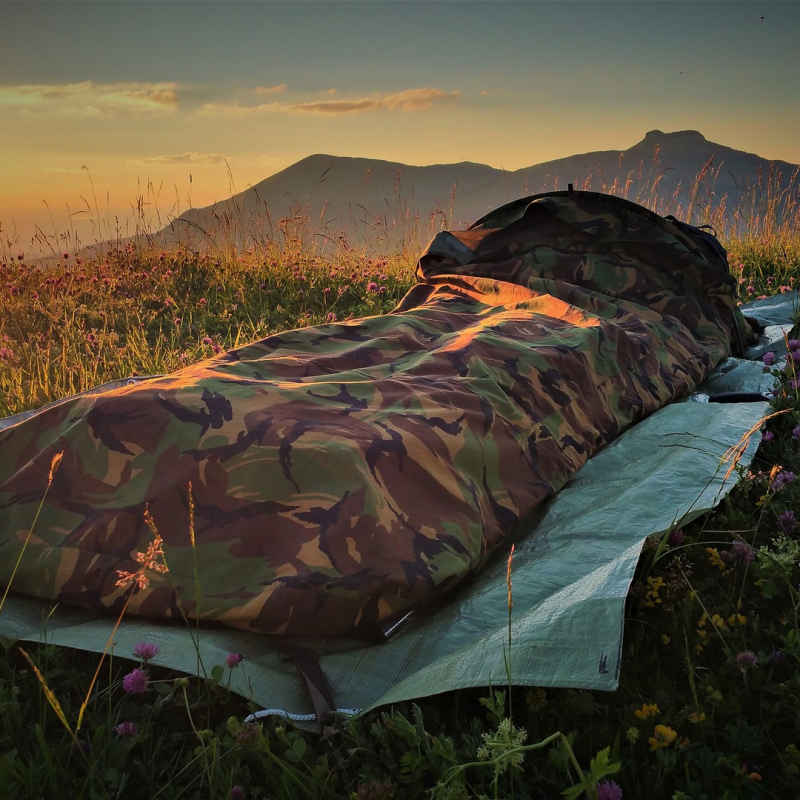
column 207, row 340
column 796, row 433
column 676, row 537
column 237, row 792
column 127, row 730
column 794, row 344
column 372, row 286
column 767, row 437
column 146, row 650
column 776, row 656
column 751, row 290
column 725, row 555
column 609, row 790
column 769, row 359
column 234, row 659
column 746, row 659
column 781, row 479
column 786, row 522
column 135, row 682
column 743, row 551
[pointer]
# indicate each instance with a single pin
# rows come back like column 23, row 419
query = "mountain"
column 386, row 203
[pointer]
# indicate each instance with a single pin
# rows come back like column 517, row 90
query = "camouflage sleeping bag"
column 346, row 473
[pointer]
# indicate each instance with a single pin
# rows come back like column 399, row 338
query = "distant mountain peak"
column 676, row 136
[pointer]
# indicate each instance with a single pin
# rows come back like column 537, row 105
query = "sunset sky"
column 103, row 99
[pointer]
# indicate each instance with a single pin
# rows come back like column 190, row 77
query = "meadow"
column 709, row 699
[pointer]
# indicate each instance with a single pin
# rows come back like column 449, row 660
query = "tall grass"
column 709, row 698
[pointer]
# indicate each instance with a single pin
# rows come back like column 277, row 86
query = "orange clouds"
column 408, row 100
column 186, row 158
column 91, row 97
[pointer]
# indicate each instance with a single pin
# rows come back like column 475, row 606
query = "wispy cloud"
column 185, row 158
column 279, row 89
column 407, row 100
column 89, row 95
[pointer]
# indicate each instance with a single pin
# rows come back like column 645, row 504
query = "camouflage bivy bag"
column 346, row 473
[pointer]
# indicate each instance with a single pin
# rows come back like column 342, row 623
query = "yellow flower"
column 696, row 716
column 665, row 638
column 714, row 559
column 646, row 711
column 718, row 621
column 663, row 736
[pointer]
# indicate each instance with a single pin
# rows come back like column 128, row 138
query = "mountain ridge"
column 350, row 197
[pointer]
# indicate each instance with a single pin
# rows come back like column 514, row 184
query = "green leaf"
column 217, row 673
column 299, row 747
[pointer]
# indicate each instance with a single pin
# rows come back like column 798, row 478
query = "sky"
column 112, row 109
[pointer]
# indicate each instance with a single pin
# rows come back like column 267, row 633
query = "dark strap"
column 317, row 688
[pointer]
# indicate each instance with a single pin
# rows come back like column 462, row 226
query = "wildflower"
column 787, row 522
column 646, row 711
column 208, row 340
column 247, row 733
column 326, row 290
column 796, row 433
column 216, row 348
column 781, row 479
column 697, row 716
column 177, row 320
column 776, row 656
column 127, row 730
column 726, row 556
column 632, row 735
column 202, row 301
column 651, row 597
column 714, row 558
column 676, row 537
column 746, row 659
column 331, row 317
column 751, row 290
column 146, row 650
column 234, row 659
column 609, row 790
column 65, row 256
column 135, row 682
column 793, row 345
column 372, row 286
column 237, row 792
column 743, row 551
column 663, row 736
column 769, row 359
column 767, row 437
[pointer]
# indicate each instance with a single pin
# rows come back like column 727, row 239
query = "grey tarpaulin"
column 571, row 572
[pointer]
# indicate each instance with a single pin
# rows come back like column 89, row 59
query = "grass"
column 709, row 697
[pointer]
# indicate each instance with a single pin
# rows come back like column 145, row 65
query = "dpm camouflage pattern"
column 344, row 474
